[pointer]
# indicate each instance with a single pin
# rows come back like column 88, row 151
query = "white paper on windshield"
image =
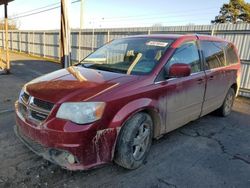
column 157, row 43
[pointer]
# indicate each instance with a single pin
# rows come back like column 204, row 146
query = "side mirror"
column 179, row 70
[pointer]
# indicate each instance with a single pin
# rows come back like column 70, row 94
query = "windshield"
column 136, row 56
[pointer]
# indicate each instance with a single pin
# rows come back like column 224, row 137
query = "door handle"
column 200, row 81
column 211, row 77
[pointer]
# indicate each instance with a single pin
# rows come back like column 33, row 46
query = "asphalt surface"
column 209, row 152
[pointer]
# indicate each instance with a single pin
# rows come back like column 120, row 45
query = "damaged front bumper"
column 73, row 150
column 62, row 158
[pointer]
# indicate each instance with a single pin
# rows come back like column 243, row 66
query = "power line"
column 20, row 15
column 50, row 5
column 151, row 18
column 154, row 18
column 34, row 13
column 155, row 15
column 49, row 9
column 119, row 19
column 158, row 16
column 151, row 23
column 179, row 18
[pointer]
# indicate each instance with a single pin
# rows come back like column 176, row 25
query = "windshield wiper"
column 84, row 65
column 96, row 66
column 87, row 64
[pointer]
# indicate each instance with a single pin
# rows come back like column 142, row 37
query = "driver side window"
column 187, row 53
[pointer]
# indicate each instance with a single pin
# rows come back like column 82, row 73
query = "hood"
column 74, row 84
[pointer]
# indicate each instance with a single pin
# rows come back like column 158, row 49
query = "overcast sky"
column 115, row 13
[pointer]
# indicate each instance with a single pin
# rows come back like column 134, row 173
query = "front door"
column 182, row 98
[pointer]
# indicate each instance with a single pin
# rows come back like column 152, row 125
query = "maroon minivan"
column 112, row 104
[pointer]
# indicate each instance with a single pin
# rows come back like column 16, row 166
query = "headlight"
column 20, row 94
column 81, row 112
column 23, row 90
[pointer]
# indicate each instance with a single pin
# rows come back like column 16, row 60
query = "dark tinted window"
column 213, row 53
column 231, row 56
column 187, row 53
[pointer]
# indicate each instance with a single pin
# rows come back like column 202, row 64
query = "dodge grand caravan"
column 112, row 104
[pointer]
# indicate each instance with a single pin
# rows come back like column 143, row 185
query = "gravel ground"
column 209, row 152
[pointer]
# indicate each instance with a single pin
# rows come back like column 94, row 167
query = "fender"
column 121, row 117
column 129, row 109
column 107, row 138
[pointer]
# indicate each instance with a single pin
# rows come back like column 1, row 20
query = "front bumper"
column 73, row 148
column 60, row 157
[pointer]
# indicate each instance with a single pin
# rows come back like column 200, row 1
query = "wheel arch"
column 156, row 121
column 142, row 105
column 234, row 87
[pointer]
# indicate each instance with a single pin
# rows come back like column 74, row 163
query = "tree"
column 233, row 12
column 12, row 24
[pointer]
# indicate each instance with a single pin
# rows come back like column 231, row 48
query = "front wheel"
column 134, row 141
column 226, row 107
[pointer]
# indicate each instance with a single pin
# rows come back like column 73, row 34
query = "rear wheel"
column 134, row 141
column 226, row 107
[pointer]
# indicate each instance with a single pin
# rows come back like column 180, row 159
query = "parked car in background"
column 112, row 104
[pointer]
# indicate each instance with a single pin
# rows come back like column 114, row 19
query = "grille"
column 43, row 104
column 33, row 145
column 22, row 109
column 34, row 109
column 38, row 116
column 25, row 97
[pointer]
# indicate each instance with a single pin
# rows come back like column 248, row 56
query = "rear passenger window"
column 187, row 53
column 231, row 56
column 213, row 54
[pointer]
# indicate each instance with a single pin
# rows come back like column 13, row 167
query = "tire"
column 134, row 141
column 226, row 107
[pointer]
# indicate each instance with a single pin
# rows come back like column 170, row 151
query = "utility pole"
column 93, row 36
column 6, row 65
column 6, row 38
column 65, row 35
column 80, row 32
column 81, row 14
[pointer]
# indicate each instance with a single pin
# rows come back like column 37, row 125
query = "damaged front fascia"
column 104, row 141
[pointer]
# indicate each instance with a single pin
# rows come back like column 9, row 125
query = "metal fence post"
column 33, row 43
column 20, row 41
column 93, row 39
column 28, row 37
column 1, row 58
column 79, row 44
column 44, row 44
column 11, row 42
column 213, row 31
column 59, row 47
column 108, row 37
column 3, row 39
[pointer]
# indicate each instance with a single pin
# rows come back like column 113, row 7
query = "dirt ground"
column 209, row 152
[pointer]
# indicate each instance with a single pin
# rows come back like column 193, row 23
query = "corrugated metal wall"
column 46, row 43
column 245, row 79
